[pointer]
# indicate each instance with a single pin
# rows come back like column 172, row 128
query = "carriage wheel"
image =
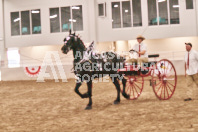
column 134, row 86
column 164, row 79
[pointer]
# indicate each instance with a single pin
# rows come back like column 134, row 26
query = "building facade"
column 33, row 27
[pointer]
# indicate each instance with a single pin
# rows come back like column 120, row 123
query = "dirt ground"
column 51, row 106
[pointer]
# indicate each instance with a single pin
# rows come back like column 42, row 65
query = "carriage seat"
column 151, row 63
column 153, row 55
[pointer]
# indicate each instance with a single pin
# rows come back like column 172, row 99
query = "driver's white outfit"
column 141, row 58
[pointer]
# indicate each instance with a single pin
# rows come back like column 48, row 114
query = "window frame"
column 60, row 19
column 132, row 20
column 61, row 31
column 20, row 23
column 104, row 9
column 72, row 25
column 11, row 24
column 121, row 15
column 168, row 12
column 31, row 21
column 193, row 5
column 59, row 10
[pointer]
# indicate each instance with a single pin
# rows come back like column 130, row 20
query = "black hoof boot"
column 126, row 95
column 88, row 107
column 116, row 102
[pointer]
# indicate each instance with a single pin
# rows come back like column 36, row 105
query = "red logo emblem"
column 32, row 71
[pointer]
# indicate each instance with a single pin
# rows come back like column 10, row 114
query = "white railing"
column 68, row 59
column 170, row 55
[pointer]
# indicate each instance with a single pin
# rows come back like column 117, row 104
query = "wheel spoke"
column 164, row 92
column 133, row 91
column 170, row 84
column 157, row 84
column 130, row 91
column 127, row 88
column 169, row 88
column 137, row 86
column 167, row 91
column 159, row 88
column 161, row 92
column 136, row 91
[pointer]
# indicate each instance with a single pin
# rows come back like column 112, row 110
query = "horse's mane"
column 79, row 42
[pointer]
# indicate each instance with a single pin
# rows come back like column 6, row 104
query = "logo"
column 33, row 71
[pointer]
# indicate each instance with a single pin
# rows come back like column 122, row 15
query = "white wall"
column 95, row 28
column 168, row 44
column 45, row 38
column 34, row 55
column 185, row 28
column 196, row 9
column 165, row 46
column 14, row 74
column 163, row 39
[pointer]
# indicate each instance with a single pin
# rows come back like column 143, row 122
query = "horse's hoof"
column 126, row 95
column 116, row 102
column 88, row 107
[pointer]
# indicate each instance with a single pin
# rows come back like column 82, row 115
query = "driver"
column 141, row 49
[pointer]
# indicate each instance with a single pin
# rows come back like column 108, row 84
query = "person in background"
column 191, row 62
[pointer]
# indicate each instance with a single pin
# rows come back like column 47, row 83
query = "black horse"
column 88, row 65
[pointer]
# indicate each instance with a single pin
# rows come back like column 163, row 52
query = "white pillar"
column 93, row 21
column 196, row 13
column 2, row 46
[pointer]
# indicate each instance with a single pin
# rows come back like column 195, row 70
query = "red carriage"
column 163, row 78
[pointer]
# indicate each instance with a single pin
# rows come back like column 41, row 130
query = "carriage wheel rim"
column 164, row 85
column 134, row 86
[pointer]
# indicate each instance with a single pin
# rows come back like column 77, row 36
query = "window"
column 77, row 18
column 54, row 20
column 126, row 13
column 158, row 13
column 152, row 12
column 102, row 9
column 71, row 18
column 36, row 21
column 137, row 13
column 25, row 22
column 174, row 11
column 116, row 17
column 163, row 12
column 189, row 4
column 15, row 23
column 23, row 18
column 65, row 17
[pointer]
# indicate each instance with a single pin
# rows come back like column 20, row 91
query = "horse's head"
column 69, row 43
column 72, row 42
